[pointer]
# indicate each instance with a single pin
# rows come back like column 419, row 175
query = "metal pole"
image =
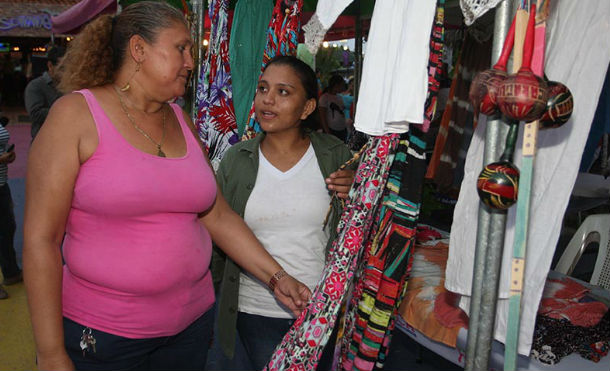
column 357, row 53
column 490, row 232
column 198, row 18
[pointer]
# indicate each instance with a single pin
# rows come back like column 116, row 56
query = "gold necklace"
column 160, row 152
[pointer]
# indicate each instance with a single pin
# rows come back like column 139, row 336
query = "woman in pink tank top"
column 122, row 207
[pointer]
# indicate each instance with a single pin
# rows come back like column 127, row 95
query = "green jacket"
column 236, row 176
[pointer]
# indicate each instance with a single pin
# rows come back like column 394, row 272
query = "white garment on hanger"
column 327, row 12
column 577, row 54
column 394, row 74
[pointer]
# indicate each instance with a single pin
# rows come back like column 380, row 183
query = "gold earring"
column 127, row 86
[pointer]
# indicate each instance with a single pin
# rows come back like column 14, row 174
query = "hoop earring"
column 127, row 86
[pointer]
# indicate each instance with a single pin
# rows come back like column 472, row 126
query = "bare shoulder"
column 70, row 111
column 188, row 120
column 69, row 126
column 190, row 124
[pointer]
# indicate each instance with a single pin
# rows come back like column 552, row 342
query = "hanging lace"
column 314, row 34
column 473, row 9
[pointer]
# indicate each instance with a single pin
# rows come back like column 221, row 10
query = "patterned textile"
column 428, row 306
column 557, row 338
column 380, row 284
column 303, row 344
column 282, row 39
column 435, row 64
column 215, row 115
column 474, row 57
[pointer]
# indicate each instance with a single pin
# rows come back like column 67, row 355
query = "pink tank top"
column 137, row 258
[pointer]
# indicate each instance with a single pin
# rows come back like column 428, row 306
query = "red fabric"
column 564, row 298
column 447, row 312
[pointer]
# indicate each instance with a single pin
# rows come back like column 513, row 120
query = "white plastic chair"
column 595, row 228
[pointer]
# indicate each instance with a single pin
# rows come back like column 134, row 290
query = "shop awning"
column 72, row 19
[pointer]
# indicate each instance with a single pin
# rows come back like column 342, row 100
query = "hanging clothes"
column 474, row 57
column 248, row 37
column 379, row 286
column 327, row 12
column 435, row 64
column 215, row 115
column 302, row 346
column 577, row 54
column 282, row 39
column 394, row 75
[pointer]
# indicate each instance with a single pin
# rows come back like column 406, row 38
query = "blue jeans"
column 186, row 350
column 8, row 258
column 260, row 335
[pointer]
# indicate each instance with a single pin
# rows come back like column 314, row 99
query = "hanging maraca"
column 523, row 96
column 559, row 106
column 498, row 182
column 485, row 85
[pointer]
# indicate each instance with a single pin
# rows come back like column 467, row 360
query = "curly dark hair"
column 95, row 55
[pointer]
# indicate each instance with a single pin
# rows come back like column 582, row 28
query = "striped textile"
column 302, row 346
column 475, row 57
column 4, row 138
column 435, row 64
column 380, row 283
column 215, row 114
column 282, row 39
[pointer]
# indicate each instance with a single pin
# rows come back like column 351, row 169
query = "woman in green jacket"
column 281, row 182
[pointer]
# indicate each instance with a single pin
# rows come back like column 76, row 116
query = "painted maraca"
column 523, row 96
column 498, row 182
column 485, row 84
column 559, row 106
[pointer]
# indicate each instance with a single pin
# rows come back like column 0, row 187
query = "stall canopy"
column 72, row 19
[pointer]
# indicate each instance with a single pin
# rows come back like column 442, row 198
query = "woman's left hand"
column 340, row 181
column 292, row 294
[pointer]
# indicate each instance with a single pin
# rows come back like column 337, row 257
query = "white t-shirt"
column 334, row 114
column 286, row 211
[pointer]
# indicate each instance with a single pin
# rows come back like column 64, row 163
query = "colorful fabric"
column 435, row 64
column 215, row 114
column 380, row 285
column 303, row 344
column 282, row 39
column 428, row 306
column 459, row 120
column 246, row 46
column 556, row 338
column 565, row 299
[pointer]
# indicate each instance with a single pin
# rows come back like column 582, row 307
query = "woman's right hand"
column 292, row 294
column 60, row 361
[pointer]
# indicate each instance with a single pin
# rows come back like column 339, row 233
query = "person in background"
column 119, row 186
column 8, row 257
column 348, row 107
column 332, row 107
column 281, row 182
column 41, row 92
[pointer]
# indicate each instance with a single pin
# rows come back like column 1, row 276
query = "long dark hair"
column 308, row 79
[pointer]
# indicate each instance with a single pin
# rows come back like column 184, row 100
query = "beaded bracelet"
column 275, row 278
